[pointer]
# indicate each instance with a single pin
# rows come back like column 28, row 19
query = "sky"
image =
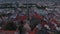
column 1, row 1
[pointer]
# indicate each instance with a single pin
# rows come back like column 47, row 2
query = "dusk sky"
column 1, row 1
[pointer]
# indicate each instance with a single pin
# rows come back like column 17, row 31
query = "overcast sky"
column 1, row 1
